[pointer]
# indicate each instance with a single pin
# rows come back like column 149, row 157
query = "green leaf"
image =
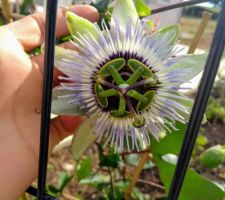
column 171, row 143
column 109, row 160
column 83, row 169
column 195, row 186
column 194, row 63
column 52, row 190
column 164, row 154
column 124, row 10
column 100, row 5
column 213, row 157
column 79, row 25
column 170, row 158
column 63, row 180
column 96, row 181
column 83, row 138
column 137, row 194
column 172, row 32
column 1, row 22
column 60, row 106
column 142, row 9
column 26, row 7
column 201, row 140
column 133, row 160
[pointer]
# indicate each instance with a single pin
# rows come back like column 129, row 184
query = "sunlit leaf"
column 133, row 160
column 63, row 180
column 201, row 140
column 195, row 186
column 170, row 158
column 125, row 10
column 142, row 9
column 213, row 157
column 79, row 25
column 96, row 180
column 83, row 169
column 171, row 143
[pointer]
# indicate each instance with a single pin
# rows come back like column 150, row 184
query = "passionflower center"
column 125, row 87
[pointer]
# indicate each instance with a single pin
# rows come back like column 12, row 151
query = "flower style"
column 124, row 77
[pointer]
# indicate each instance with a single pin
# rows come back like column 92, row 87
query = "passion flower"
column 124, row 77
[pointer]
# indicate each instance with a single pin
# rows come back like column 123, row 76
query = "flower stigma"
column 124, row 87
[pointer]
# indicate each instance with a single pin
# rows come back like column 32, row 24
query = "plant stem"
column 111, row 184
column 177, row 5
column 151, row 184
column 136, row 174
column 134, row 152
column 195, row 41
column 6, row 9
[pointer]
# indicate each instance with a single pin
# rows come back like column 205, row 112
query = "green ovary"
column 123, row 89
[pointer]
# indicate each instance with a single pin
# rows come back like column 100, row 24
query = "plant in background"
column 124, row 78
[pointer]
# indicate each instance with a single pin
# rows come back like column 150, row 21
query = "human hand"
column 21, row 89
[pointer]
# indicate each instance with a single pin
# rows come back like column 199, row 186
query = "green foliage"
column 195, row 186
column 84, row 169
column 165, row 153
column 83, row 138
column 125, row 11
column 111, row 159
column 171, row 143
column 1, row 21
column 103, row 8
column 137, row 194
column 27, row 7
column 142, row 9
column 35, row 51
column 79, row 25
column 133, row 160
column 213, row 157
column 64, row 39
column 201, row 140
column 101, row 5
column 63, row 180
column 96, row 181
column 216, row 110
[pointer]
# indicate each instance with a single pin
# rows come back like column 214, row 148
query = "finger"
column 39, row 61
column 30, row 31
column 63, row 126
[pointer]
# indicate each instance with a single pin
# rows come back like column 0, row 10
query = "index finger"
column 30, row 31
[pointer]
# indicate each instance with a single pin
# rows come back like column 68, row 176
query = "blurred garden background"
column 101, row 173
